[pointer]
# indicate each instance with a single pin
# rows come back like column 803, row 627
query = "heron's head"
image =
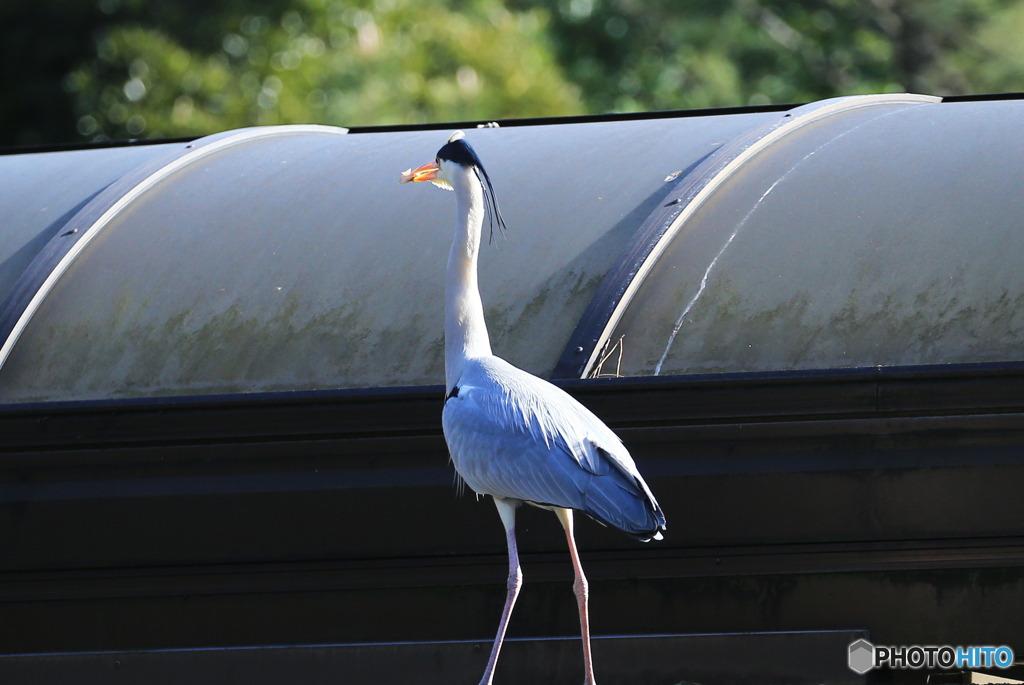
column 457, row 157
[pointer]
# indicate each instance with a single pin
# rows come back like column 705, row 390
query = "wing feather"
column 513, row 435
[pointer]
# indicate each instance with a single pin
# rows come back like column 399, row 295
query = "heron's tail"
column 626, row 503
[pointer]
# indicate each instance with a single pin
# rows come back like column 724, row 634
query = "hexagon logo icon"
column 862, row 656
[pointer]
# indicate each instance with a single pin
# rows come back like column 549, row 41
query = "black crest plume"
column 459, row 151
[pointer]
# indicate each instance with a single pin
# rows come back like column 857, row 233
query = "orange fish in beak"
column 427, row 172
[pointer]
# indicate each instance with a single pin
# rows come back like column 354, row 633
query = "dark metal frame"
column 719, row 450
column 899, row 399
column 445, row 125
column 529, row 121
column 798, row 658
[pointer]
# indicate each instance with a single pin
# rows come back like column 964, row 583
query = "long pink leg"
column 507, row 511
column 582, row 591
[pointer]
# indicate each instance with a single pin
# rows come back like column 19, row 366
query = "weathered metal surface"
column 590, row 345
column 40, row 189
column 301, row 263
column 872, row 238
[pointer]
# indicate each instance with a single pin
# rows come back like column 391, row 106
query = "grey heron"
column 514, row 436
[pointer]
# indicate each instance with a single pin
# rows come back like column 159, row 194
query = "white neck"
column 465, row 334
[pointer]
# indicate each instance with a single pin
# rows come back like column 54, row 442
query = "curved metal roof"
column 884, row 236
column 42, row 192
column 293, row 260
column 289, row 258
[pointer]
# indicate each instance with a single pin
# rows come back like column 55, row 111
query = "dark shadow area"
column 12, row 268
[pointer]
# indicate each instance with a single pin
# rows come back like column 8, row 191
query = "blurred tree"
column 394, row 61
column 37, row 48
column 42, row 41
column 994, row 61
column 128, row 68
column 667, row 54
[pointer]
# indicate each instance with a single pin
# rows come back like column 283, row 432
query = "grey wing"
column 515, row 436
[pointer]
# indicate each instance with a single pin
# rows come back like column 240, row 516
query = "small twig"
column 606, row 354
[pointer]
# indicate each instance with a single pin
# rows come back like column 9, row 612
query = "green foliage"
column 134, row 68
column 994, row 60
column 672, row 54
column 397, row 62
